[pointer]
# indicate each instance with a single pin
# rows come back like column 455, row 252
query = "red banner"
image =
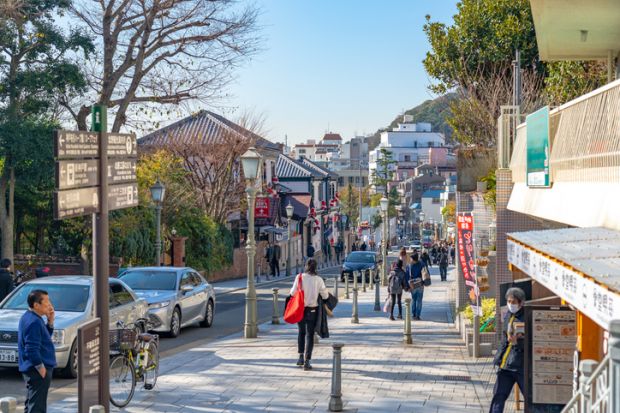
column 261, row 209
column 467, row 257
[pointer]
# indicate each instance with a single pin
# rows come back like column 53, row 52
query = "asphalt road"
column 229, row 319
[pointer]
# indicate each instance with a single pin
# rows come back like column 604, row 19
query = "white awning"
column 580, row 265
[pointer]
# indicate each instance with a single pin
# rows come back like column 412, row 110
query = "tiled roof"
column 202, row 127
column 332, row 137
column 289, row 168
column 319, row 170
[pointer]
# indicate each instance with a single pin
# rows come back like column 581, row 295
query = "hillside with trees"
column 435, row 111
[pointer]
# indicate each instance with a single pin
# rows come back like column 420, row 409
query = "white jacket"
column 313, row 285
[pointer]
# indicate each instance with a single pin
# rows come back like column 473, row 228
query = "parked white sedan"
column 72, row 298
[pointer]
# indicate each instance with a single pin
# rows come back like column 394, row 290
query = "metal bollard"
column 335, row 400
column 363, row 274
column 346, row 286
column 371, row 279
column 316, row 338
column 275, row 318
column 377, row 297
column 407, row 334
column 354, row 318
column 336, row 286
column 8, row 405
column 96, row 409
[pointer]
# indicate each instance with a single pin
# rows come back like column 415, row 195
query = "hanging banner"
column 467, row 258
column 261, row 209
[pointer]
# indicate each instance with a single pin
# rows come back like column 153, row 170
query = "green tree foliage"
column 35, row 71
column 349, row 199
column 132, row 231
column 473, row 57
column 568, row 80
column 384, row 172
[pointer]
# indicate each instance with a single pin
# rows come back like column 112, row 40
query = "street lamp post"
column 158, row 191
column 422, row 216
column 251, row 161
column 289, row 216
column 384, row 209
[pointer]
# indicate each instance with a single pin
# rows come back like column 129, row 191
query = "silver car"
column 72, row 298
column 177, row 297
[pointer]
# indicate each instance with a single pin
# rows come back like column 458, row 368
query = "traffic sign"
column 84, row 201
column 123, row 196
column 122, row 145
column 85, row 173
column 76, row 144
column 81, row 145
column 77, row 174
column 121, row 170
column 76, row 202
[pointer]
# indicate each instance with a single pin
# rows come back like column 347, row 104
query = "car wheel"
column 175, row 323
column 71, row 370
column 209, row 313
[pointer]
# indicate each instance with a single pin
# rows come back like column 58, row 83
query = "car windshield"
column 64, row 297
column 364, row 257
column 151, row 280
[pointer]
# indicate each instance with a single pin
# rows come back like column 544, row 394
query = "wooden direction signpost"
column 95, row 173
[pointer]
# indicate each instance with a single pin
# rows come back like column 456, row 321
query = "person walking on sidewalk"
column 313, row 285
column 403, row 254
column 416, row 285
column 509, row 358
column 443, row 264
column 396, row 285
column 37, row 356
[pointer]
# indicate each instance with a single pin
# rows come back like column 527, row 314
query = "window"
column 435, row 200
column 186, row 280
column 407, row 158
column 415, row 144
column 119, row 295
column 302, row 151
column 196, row 279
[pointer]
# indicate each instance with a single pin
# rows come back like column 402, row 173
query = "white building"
column 409, row 143
column 431, row 205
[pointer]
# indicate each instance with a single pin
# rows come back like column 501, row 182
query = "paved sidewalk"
column 380, row 373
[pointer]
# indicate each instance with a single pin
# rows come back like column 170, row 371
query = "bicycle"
column 135, row 358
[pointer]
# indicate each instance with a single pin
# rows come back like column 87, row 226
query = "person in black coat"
column 6, row 279
column 509, row 358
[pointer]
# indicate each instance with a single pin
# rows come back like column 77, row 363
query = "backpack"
column 394, row 282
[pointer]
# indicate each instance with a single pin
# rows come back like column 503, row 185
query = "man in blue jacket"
column 37, row 356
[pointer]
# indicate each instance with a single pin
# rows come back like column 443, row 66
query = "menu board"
column 551, row 336
column 89, row 341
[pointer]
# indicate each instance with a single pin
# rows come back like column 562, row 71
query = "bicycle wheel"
column 122, row 381
column 152, row 366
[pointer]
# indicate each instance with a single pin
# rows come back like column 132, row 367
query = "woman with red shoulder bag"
column 312, row 285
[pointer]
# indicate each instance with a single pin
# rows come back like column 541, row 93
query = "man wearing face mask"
column 509, row 358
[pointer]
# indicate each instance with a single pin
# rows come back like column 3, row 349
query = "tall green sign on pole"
column 538, row 148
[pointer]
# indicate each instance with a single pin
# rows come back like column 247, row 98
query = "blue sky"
column 346, row 65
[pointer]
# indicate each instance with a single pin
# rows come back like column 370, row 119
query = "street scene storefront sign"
column 467, row 258
column 550, row 345
column 538, row 148
column 261, row 209
column 589, row 297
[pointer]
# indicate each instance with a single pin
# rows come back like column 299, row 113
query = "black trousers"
column 443, row 272
column 38, row 387
column 275, row 268
column 305, row 338
column 503, row 386
column 396, row 297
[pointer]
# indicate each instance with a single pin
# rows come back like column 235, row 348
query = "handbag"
column 387, row 305
column 294, row 311
column 426, row 276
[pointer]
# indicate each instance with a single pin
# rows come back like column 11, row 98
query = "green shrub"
column 488, row 313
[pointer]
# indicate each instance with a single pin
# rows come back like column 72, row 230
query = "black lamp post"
column 158, row 191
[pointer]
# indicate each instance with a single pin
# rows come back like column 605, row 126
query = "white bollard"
column 8, row 405
column 96, row 409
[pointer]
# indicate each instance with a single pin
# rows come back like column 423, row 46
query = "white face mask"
column 513, row 308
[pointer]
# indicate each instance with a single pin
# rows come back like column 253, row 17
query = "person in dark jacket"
column 443, row 264
column 396, row 285
column 6, row 279
column 509, row 358
column 426, row 259
column 37, row 356
column 416, row 285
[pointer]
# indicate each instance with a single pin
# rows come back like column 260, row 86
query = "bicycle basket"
column 122, row 340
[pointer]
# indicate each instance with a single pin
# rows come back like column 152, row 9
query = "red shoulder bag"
column 294, row 311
